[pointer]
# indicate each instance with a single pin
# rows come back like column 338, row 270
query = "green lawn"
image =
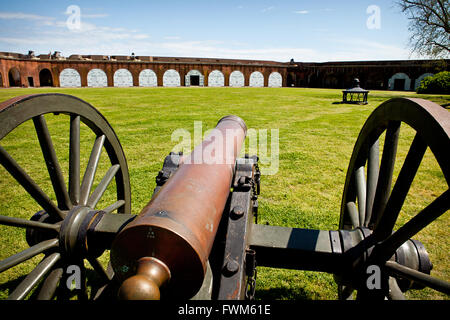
column 316, row 137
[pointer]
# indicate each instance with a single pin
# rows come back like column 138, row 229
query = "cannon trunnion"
column 199, row 237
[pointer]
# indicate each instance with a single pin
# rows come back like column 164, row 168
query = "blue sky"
column 248, row 29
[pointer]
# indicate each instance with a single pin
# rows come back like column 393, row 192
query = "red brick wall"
column 372, row 74
column 31, row 68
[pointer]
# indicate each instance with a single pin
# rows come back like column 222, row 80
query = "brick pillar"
column 205, row 78
column 246, row 78
column 83, row 75
column 159, row 75
column 226, row 76
column 110, row 75
column 266, row 73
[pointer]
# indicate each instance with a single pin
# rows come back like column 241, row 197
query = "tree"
column 429, row 26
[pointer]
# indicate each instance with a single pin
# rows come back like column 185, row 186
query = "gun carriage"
column 198, row 237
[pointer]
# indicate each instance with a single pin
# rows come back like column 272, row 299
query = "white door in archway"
column 216, row 79
column 237, row 79
column 256, row 79
column 275, row 80
column 399, row 81
column 171, row 78
column 69, row 78
column 123, row 78
column 147, row 78
column 194, row 78
column 97, row 78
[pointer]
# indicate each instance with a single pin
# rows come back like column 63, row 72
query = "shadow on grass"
column 282, row 294
column 93, row 284
column 8, row 287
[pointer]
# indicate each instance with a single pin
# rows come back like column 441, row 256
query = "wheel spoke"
column 116, row 205
column 395, row 293
column 33, row 278
column 50, row 284
column 372, row 177
column 23, row 223
column 401, row 188
column 361, row 193
column 89, row 175
column 27, row 254
column 353, row 214
column 418, row 277
column 99, row 269
column 101, row 188
column 28, row 184
column 386, row 169
column 74, row 159
column 438, row 207
column 52, row 163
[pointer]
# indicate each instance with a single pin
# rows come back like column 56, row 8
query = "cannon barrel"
column 170, row 241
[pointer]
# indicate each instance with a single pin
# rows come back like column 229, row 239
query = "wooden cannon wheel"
column 372, row 202
column 55, row 228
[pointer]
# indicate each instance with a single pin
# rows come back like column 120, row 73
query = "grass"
column 316, row 141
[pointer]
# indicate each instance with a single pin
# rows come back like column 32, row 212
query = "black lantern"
column 356, row 95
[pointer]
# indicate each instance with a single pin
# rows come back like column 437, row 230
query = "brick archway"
column 45, row 78
column 14, row 77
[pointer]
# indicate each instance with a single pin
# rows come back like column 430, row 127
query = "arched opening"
column 194, row 78
column 237, row 79
column 123, row 78
column 171, row 78
column 256, row 79
column 275, row 80
column 14, row 78
column 69, row 78
column 1, row 80
column 331, row 81
column 147, row 78
column 290, row 80
column 399, row 82
column 45, row 78
column 419, row 79
column 97, row 78
column 216, row 79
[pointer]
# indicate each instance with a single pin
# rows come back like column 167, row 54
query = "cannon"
column 198, row 237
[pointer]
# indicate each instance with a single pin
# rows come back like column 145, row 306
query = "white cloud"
column 87, row 15
column 22, row 16
column 268, row 9
column 172, row 38
column 302, row 12
column 94, row 16
column 94, row 39
column 140, row 36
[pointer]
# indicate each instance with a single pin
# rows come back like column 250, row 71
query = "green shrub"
column 439, row 83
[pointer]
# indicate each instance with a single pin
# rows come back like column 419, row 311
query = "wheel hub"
column 360, row 256
column 74, row 232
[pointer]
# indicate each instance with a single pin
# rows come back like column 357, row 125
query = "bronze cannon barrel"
column 170, row 241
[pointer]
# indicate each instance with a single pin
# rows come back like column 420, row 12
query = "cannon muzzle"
column 169, row 243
